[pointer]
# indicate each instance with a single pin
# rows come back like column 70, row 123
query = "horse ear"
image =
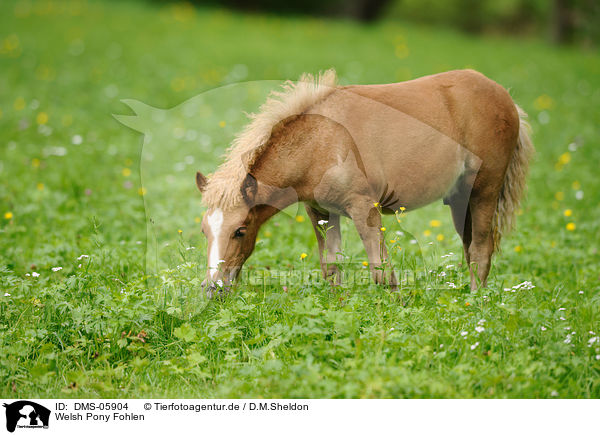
column 201, row 181
column 249, row 188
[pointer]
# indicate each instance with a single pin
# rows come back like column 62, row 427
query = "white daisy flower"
column 56, row 269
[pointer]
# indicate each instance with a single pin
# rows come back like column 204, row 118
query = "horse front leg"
column 367, row 221
column 330, row 245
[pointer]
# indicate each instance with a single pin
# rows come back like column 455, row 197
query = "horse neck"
column 281, row 168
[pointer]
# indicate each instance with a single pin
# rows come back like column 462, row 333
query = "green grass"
column 112, row 328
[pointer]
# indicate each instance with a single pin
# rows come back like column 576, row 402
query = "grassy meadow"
column 101, row 254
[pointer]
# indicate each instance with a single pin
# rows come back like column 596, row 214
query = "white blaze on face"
column 215, row 221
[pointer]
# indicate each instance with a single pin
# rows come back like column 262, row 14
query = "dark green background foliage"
column 105, row 326
column 564, row 21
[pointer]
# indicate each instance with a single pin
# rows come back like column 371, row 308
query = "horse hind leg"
column 482, row 210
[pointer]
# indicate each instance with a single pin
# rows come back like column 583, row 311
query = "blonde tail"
column 514, row 181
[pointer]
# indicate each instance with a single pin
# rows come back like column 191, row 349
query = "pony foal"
column 359, row 151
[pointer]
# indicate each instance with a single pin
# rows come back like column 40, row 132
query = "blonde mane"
column 223, row 187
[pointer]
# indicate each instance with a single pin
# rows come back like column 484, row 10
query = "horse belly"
column 421, row 171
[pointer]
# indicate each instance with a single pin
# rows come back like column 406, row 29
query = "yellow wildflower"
column 435, row 223
column 303, row 255
column 197, row 220
column 543, row 102
column 41, row 118
column 19, row 104
column 382, row 228
column 576, row 185
column 40, row 186
column 375, row 204
column 427, row 233
column 518, row 248
column 364, row 263
column 8, row 215
column 439, row 237
column 571, row 226
column 35, row 163
column 393, row 241
column 67, row 120
column 568, row 212
column 180, row 231
column 559, row 196
column 178, row 84
column 142, row 191
column 126, row 172
column 222, row 124
column 564, row 158
column 299, row 219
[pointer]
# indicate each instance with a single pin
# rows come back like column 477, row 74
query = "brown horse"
column 359, row 151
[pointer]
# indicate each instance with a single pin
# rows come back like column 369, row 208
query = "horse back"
column 465, row 105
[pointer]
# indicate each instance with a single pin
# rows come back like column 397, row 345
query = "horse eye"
column 240, row 232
